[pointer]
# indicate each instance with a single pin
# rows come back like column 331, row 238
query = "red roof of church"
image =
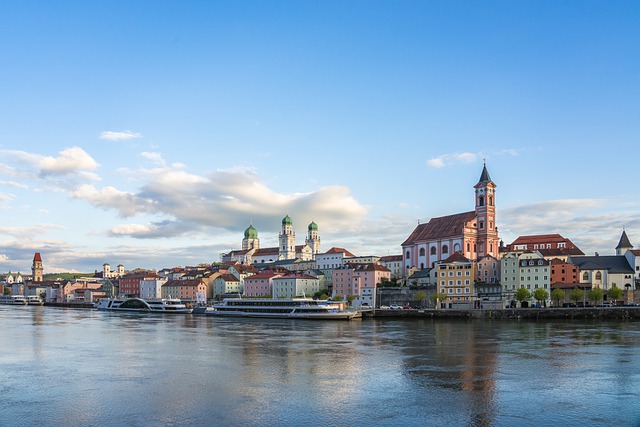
column 37, row 257
column 441, row 227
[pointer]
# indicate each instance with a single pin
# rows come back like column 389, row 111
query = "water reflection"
column 96, row 368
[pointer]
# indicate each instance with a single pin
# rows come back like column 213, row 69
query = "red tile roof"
column 438, row 228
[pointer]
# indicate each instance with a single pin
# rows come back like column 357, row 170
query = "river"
column 66, row 367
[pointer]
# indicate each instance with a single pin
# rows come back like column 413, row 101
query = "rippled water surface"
column 62, row 367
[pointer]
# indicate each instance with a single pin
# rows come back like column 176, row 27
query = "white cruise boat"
column 34, row 300
column 13, row 300
column 165, row 305
column 290, row 308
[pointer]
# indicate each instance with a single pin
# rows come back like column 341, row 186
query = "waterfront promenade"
column 601, row 313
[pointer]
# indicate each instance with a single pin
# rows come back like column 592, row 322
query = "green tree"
column 596, row 295
column 350, row 299
column 557, row 295
column 522, row 295
column 541, row 295
column 419, row 296
column 437, row 297
column 576, row 295
column 6, row 291
column 338, row 298
column 615, row 293
column 321, row 293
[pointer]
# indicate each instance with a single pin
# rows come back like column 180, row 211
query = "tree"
column 596, row 295
column 615, row 293
column 557, row 295
column 6, row 291
column 438, row 296
column 522, row 295
column 419, row 296
column 350, row 299
column 338, row 298
column 541, row 295
column 576, row 295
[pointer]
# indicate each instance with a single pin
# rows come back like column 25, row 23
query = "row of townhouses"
column 459, row 257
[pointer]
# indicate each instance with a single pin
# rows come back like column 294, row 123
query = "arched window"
column 490, row 201
column 456, row 247
column 585, row 276
column 480, row 201
column 433, row 250
column 421, row 266
column 481, row 225
column 468, row 247
column 445, row 249
column 598, row 276
column 422, row 252
column 408, row 254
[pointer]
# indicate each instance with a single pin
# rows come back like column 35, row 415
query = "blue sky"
column 151, row 134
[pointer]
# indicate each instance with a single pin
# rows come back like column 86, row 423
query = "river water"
column 65, row 367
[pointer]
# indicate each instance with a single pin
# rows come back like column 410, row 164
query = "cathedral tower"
column 287, row 240
column 487, row 242
column 313, row 241
column 250, row 240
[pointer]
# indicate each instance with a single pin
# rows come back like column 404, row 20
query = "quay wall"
column 601, row 313
column 84, row 305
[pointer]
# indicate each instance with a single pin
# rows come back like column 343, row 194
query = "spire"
column 484, row 177
column 624, row 241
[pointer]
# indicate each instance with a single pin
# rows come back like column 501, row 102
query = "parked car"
column 395, row 307
column 632, row 304
column 384, row 307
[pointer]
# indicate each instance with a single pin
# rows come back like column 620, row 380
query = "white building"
column 152, row 288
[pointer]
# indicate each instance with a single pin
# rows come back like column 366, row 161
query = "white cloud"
column 153, row 157
column 70, row 164
column 225, row 199
column 119, row 136
column 450, row 159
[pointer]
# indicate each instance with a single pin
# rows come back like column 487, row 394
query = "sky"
column 151, row 134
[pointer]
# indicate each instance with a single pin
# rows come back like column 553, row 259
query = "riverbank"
column 603, row 313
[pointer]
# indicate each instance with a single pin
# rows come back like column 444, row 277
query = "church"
column 252, row 253
column 474, row 234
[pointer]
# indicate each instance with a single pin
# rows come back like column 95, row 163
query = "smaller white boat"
column 34, row 300
column 165, row 305
column 13, row 300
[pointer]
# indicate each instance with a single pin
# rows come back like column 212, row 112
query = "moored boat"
column 34, row 300
column 165, row 305
column 289, row 308
column 13, row 300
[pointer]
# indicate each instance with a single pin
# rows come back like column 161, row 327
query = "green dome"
column 287, row 220
column 313, row 226
column 251, row 233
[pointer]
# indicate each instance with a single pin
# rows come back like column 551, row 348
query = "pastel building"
column 455, row 278
column 261, row 284
column 296, row 284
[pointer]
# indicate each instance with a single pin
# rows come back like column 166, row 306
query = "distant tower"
column 287, row 239
column 250, row 240
column 106, row 270
column 487, row 242
column 36, row 268
column 313, row 241
column 624, row 244
column 120, row 270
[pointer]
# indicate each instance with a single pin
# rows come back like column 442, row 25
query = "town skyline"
column 157, row 145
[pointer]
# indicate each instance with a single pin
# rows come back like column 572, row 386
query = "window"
column 490, row 201
column 598, row 276
column 585, row 276
column 445, row 249
column 422, row 252
column 433, row 250
column 480, row 201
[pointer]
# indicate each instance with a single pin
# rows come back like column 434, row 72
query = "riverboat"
column 34, row 300
column 165, row 305
column 290, row 308
column 13, row 300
